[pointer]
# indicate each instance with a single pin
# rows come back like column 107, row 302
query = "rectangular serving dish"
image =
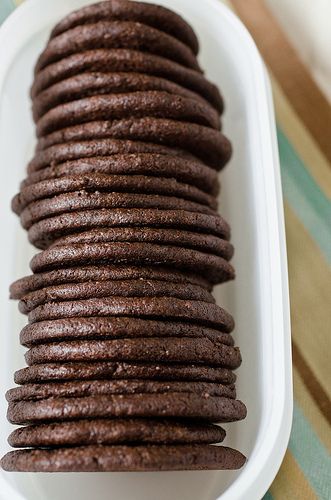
column 251, row 201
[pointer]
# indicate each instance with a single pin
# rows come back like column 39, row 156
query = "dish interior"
column 224, row 58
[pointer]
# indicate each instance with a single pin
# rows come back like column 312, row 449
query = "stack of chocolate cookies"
column 130, row 360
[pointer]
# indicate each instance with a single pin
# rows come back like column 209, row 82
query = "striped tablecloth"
column 304, row 138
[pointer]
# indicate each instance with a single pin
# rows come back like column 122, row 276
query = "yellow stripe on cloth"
column 311, row 411
column 301, row 139
column 311, row 382
column 290, row 482
column 310, row 291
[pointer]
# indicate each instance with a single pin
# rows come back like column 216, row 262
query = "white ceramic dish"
column 258, row 299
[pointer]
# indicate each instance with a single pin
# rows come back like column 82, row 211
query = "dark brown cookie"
column 82, row 274
column 128, row 61
column 172, row 405
column 115, row 431
column 152, row 15
column 118, row 288
column 211, row 268
column 102, row 147
column 185, row 239
column 52, row 372
column 139, row 104
column 210, row 145
column 185, row 171
column 124, row 458
column 46, row 231
column 121, row 187
column 100, row 192
column 78, row 389
column 97, row 83
column 116, row 35
column 112, row 328
column 93, row 200
column 159, row 350
column 171, row 308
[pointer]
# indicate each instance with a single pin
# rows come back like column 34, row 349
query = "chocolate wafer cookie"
column 93, row 200
column 127, row 184
column 107, row 288
column 127, row 105
column 116, row 35
column 99, row 83
column 211, row 268
column 82, row 274
column 101, row 147
column 106, row 432
column 78, row 389
column 46, row 231
column 150, row 349
column 125, row 60
column 60, row 372
column 191, row 172
column 152, row 15
column 124, row 458
column 205, row 143
column 114, row 327
column 174, row 405
column 203, row 313
column 185, row 239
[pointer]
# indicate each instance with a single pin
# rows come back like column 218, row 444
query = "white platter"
column 251, row 201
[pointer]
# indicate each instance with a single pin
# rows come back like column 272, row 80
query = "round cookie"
column 98, row 83
column 93, row 200
column 215, row 409
column 82, row 274
column 210, row 244
column 128, row 61
column 102, row 147
column 51, row 372
column 138, row 104
column 132, row 186
column 106, row 432
column 156, row 16
column 159, row 350
column 204, row 242
column 118, row 288
column 104, row 328
column 202, row 313
column 186, row 171
column 78, row 389
column 205, row 143
column 124, row 458
column 46, row 231
column 116, row 35
column 211, row 268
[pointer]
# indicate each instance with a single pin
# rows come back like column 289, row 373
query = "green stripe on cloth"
column 305, row 197
column 268, row 496
column 311, row 455
column 6, row 6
